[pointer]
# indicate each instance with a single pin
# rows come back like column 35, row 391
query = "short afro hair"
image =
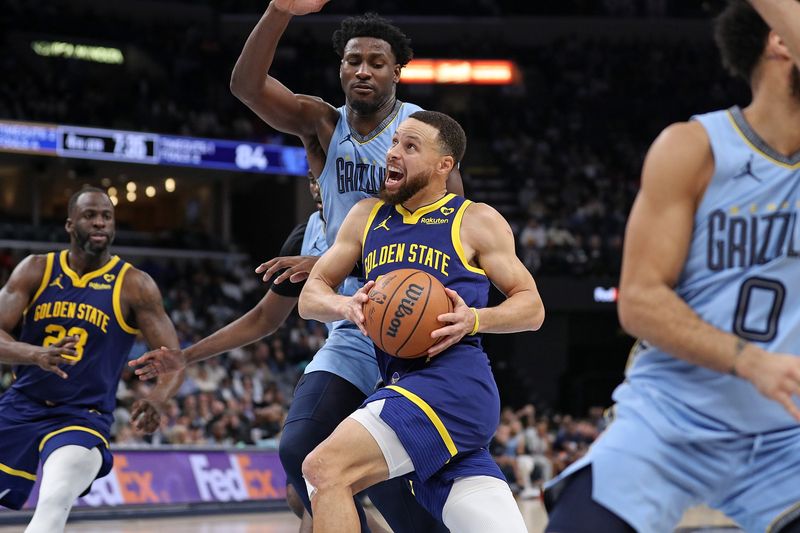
column 452, row 138
column 741, row 35
column 373, row 25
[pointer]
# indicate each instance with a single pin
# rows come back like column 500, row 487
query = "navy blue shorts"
column 32, row 431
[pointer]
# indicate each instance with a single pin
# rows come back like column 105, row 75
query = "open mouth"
column 394, row 177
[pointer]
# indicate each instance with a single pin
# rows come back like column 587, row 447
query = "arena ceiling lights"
column 84, row 52
column 461, row 71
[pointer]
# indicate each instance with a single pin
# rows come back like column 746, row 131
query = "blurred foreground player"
column 710, row 407
column 81, row 309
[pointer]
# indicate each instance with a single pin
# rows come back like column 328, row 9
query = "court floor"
column 285, row 522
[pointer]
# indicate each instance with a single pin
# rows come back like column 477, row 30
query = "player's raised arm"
column 15, row 296
column 308, row 117
column 783, row 16
column 319, row 300
column 142, row 297
column 676, row 171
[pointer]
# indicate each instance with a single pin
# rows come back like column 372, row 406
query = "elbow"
column 240, row 88
column 537, row 317
column 629, row 305
column 303, row 307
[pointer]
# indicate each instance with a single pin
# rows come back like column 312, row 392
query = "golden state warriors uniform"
column 446, row 409
column 42, row 412
column 694, row 434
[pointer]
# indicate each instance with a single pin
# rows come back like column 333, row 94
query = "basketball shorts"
column 349, row 354
column 649, row 481
column 32, row 431
column 411, row 452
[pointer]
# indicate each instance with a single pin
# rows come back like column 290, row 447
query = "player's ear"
column 446, row 164
column 776, row 47
column 397, row 71
column 68, row 225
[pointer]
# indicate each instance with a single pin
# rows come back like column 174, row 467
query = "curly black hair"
column 741, row 35
column 373, row 25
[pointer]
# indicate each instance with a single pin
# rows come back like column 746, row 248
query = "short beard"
column 85, row 244
column 364, row 107
column 412, row 186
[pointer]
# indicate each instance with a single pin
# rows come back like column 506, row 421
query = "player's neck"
column 81, row 262
column 774, row 117
column 424, row 197
column 365, row 123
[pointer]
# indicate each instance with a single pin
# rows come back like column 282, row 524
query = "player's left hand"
column 146, row 415
column 297, row 268
column 459, row 323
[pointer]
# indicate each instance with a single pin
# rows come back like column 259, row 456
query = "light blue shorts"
column 349, row 354
column 649, row 481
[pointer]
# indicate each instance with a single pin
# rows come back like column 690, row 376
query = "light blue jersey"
column 354, row 169
column 314, row 242
column 683, row 434
column 740, row 274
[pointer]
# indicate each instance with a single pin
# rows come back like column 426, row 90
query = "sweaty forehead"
column 368, row 46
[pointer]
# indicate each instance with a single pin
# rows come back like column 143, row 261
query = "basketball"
column 402, row 312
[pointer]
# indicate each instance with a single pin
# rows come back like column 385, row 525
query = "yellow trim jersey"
column 87, row 307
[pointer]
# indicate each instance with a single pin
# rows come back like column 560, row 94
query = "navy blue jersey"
column 88, row 307
column 429, row 240
column 455, row 390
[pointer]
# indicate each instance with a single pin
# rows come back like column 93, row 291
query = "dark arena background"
column 559, row 100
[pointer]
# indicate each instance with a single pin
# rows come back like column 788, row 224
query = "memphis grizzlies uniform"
column 42, row 412
column 699, row 435
column 314, row 241
column 446, row 409
column 354, row 169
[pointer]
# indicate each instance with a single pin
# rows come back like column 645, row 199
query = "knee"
column 322, row 471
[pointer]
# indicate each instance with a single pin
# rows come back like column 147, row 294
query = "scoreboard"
column 150, row 148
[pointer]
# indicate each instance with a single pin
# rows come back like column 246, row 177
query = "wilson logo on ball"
column 405, row 308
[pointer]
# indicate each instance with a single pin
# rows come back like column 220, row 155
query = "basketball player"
column 709, row 409
column 434, row 419
column 85, row 307
column 346, row 148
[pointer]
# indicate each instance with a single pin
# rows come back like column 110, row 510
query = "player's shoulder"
column 481, row 219
column 680, row 156
column 325, row 110
column 33, row 266
column 364, row 207
column 683, row 137
column 138, row 285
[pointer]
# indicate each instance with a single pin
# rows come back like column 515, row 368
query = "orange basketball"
column 402, row 312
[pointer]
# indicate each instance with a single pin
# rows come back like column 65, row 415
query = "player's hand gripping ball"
column 403, row 310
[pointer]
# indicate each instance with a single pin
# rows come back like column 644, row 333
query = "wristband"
column 477, row 322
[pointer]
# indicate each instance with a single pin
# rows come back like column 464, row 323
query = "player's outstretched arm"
column 259, row 322
column 319, row 300
column 15, row 297
column 307, row 117
column 676, row 171
column 488, row 240
column 783, row 16
column 141, row 296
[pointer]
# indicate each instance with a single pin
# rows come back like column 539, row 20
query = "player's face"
column 313, row 188
column 91, row 223
column 369, row 73
column 410, row 161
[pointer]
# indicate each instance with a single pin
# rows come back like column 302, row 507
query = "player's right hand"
column 299, row 7
column 50, row 357
column 354, row 307
column 776, row 376
column 158, row 362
